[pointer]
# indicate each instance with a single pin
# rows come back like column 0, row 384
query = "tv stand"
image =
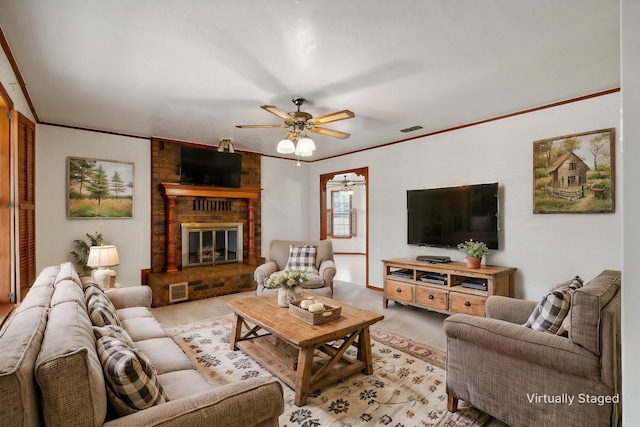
column 448, row 288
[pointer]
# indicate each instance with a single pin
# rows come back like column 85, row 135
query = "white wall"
column 546, row 249
column 629, row 15
column 10, row 83
column 285, row 202
column 55, row 232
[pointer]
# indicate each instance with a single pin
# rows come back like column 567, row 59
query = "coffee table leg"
column 303, row 375
column 364, row 351
column 236, row 330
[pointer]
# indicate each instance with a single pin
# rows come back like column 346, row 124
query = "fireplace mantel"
column 171, row 191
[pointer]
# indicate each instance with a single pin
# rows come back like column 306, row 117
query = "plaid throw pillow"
column 553, row 309
column 113, row 331
column 132, row 381
column 100, row 308
column 302, row 258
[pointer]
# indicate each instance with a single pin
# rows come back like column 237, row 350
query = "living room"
column 546, row 249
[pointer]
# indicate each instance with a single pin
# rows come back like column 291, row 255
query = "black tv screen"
column 199, row 166
column 444, row 217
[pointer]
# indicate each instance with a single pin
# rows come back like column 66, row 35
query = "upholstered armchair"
column 320, row 283
column 527, row 377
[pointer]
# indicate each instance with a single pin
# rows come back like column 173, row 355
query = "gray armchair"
column 277, row 260
column 525, row 377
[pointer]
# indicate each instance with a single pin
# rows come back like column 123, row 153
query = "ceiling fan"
column 345, row 185
column 301, row 120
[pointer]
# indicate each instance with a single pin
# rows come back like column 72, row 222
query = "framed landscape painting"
column 99, row 188
column 575, row 173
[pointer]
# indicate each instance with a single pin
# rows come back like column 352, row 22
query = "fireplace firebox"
column 211, row 243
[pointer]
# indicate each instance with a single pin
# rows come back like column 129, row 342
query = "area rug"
column 406, row 389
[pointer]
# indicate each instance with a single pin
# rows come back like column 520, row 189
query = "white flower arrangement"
column 287, row 279
column 474, row 249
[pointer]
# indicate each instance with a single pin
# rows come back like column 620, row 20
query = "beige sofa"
column 51, row 374
column 277, row 260
column 527, row 377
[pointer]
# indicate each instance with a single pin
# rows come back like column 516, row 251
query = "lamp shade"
column 103, row 256
column 305, row 147
column 286, row 147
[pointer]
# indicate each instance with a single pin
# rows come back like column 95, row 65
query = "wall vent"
column 179, row 292
column 411, row 129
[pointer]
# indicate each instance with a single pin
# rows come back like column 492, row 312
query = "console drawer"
column 399, row 291
column 432, row 297
column 470, row 304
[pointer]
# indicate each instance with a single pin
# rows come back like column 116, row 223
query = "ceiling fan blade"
column 330, row 132
column 278, row 112
column 259, row 126
column 334, row 117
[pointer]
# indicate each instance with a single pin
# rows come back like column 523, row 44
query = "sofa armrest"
column 252, row 402
column 509, row 309
column 131, row 296
column 519, row 342
column 327, row 271
column 263, row 272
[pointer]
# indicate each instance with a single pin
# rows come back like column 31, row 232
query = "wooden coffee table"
column 272, row 337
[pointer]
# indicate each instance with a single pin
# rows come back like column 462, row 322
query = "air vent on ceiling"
column 411, row 129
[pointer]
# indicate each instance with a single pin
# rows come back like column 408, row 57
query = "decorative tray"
column 329, row 313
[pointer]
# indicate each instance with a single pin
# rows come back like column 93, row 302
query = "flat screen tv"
column 444, row 217
column 200, row 166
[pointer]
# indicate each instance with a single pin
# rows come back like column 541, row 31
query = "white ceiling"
column 191, row 70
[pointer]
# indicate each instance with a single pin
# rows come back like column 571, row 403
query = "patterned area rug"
column 407, row 387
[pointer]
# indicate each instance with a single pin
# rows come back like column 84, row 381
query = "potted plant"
column 474, row 252
column 81, row 253
column 288, row 283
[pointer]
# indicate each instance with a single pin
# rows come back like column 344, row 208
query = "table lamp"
column 102, row 257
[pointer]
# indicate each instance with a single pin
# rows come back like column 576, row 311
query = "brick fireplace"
column 175, row 206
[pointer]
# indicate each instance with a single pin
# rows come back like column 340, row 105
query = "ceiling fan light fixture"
column 286, row 146
column 305, row 147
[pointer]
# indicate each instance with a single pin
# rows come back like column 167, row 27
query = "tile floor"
column 415, row 323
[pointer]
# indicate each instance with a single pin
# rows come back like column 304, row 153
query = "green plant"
column 287, row 279
column 474, row 249
column 81, row 253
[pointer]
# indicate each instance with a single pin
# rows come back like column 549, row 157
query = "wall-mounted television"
column 200, row 166
column 444, row 217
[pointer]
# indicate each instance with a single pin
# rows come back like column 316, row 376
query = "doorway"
column 344, row 212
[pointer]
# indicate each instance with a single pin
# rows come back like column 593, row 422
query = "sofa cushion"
column 20, row 340
column 185, row 383
column 586, row 308
column 67, row 272
column 314, row 281
column 164, row 354
column 68, row 370
column 552, row 310
column 302, row 258
column 67, row 291
column 130, row 376
column 143, row 328
column 133, row 313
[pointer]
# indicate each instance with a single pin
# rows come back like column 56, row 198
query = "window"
column 342, row 216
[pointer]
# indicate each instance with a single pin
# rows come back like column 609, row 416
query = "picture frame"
column 98, row 188
column 575, row 173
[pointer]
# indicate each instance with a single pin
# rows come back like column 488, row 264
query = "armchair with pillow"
column 553, row 363
column 315, row 256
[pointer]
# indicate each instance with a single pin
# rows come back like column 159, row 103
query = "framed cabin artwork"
column 575, row 173
column 99, row 188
